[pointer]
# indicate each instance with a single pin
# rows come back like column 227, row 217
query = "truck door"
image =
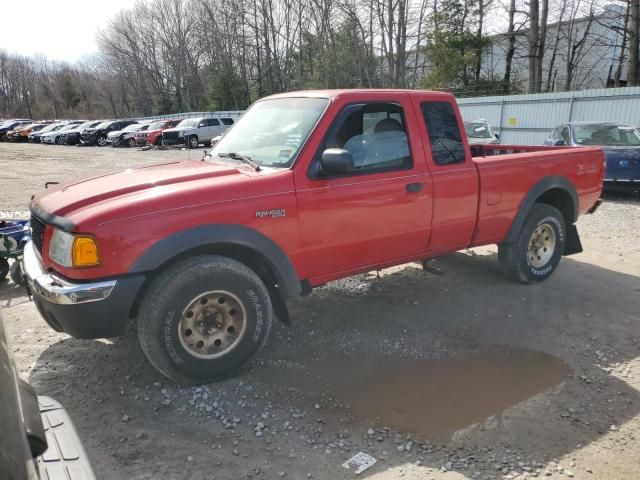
column 455, row 177
column 380, row 211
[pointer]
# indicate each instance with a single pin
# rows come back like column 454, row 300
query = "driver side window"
column 375, row 135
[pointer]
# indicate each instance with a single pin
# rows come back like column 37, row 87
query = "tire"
column 57, row 140
column 172, row 315
column 131, row 143
column 535, row 254
column 101, row 140
column 193, row 141
column 16, row 274
column 4, row 268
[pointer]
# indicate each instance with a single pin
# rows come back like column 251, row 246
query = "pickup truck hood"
column 622, row 162
column 64, row 199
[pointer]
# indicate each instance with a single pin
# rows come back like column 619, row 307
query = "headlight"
column 181, row 134
column 73, row 250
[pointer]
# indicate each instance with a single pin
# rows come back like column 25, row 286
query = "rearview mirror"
column 336, row 161
column 558, row 143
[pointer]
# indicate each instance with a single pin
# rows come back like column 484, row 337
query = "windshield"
column 104, row 124
column 156, row 125
column 84, row 125
column 132, row 128
column 69, row 127
column 188, row 122
column 614, row 135
column 477, row 130
column 272, row 131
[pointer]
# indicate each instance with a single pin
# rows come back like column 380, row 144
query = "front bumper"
column 88, row 138
column 83, row 310
column 630, row 183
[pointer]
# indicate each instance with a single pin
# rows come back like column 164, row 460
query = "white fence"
column 529, row 119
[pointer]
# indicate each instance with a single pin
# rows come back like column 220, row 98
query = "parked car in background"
column 22, row 134
column 10, row 125
column 621, row 145
column 55, row 137
column 128, row 139
column 34, row 137
column 194, row 131
column 153, row 134
column 116, row 138
column 72, row 136
column 98, row 134
column 479, row 132
column 38, row 441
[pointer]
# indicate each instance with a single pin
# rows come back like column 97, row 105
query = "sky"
column 58, row 29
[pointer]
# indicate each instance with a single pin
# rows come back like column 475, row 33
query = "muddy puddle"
column 431, row 399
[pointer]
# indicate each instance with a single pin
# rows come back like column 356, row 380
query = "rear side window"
column 227, row 121
column 213, row 122
column 444, row 133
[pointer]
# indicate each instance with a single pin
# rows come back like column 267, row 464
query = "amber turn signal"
column 85, row 252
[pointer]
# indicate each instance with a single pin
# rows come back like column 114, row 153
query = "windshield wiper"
column 242, row 158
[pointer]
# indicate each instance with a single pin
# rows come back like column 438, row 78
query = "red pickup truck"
column 306, row 188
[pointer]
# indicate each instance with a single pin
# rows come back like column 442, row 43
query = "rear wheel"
column 203, row 319
column 536, row 253
column 58, row 140
column 131, row 142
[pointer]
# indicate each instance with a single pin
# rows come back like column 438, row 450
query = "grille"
column 37, row 232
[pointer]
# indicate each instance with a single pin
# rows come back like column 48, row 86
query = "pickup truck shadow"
column 465, row 360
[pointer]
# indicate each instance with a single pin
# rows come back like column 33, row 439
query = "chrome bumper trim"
column 56, row 290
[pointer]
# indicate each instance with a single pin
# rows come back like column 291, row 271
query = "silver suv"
column 194, row 131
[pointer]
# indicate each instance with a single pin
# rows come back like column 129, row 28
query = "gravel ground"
column 452, row 376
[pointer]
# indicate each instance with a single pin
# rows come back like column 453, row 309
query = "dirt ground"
column 452, row 376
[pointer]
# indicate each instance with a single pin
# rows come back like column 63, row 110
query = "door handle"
column 414, row 187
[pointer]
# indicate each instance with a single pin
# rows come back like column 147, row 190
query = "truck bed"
column 502, row 183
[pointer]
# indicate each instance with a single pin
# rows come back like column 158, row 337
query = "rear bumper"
column 65, row 457
column 83, row 310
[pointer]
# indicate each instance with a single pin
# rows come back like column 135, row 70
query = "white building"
column 593, row 63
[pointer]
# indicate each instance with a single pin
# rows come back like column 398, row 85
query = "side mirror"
column 336, row 161
column 558, row 143
column 497, row 135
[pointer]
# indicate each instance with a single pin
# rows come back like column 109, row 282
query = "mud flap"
column 279, row 305
column 573, row 244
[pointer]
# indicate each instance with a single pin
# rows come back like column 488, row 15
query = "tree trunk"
column 506, row 80
column 618, row 75
column 634, row 31
column 533, row 36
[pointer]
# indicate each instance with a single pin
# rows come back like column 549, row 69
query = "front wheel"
column 102, row 141
column 536, row 253
column 203, row 319
column 193, row 141
column 58, row 141
column 132, row 143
